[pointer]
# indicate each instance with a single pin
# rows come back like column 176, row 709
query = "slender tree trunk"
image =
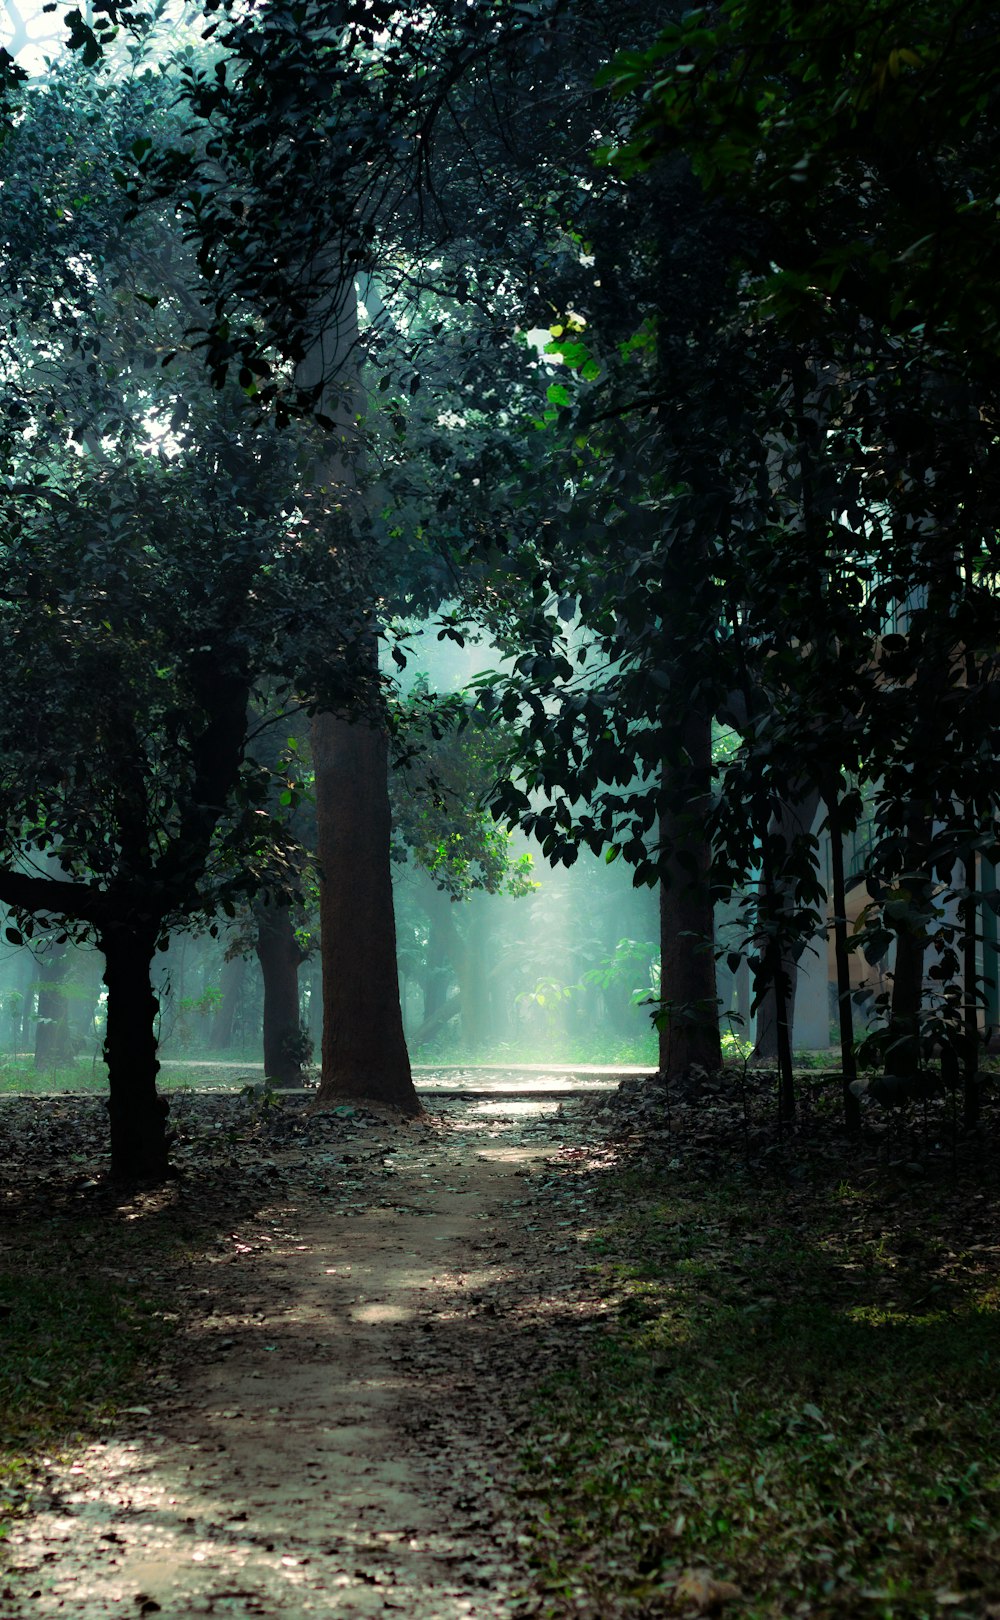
column 903, row 1054
column 772, row 977
column 775, row 972
column 316, row 1001
column 139, row 1139
column 970, row 1032
column 848, row 1064
column 279, row 956
column 465, row 954
column 689, row 1029
column 85, row 967
column 474, row 979
column 29, row 1000
column 790, row 821
column 434, row 981
column 364, row 1048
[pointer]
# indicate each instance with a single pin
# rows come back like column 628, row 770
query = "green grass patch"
column 74, row 1348
column 19, row 1077
column 602, row 1048
column 799, row 1393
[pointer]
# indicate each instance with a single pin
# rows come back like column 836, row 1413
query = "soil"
column 335, row 1432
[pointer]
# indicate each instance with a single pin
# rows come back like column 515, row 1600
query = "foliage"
column 858, row 146
column 169, row 571
column 440, row 816
column 867, row 136
column 156, row 552
column 800, row 205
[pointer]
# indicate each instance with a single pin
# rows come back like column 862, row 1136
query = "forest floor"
column 624, row 1355
column 326, row 1428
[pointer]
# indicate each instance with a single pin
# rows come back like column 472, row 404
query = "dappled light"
column 499, row 809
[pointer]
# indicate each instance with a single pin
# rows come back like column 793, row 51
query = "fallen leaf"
column 700, row 1589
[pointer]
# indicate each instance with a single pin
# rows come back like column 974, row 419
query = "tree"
column 158, row 561
column 442, row 825
column 862, row 142
column 280, row 953
column 705, row 541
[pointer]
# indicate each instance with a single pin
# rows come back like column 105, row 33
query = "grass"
column 76, row 1344
column 92, row 1277
column 799, row 1394
column 19, row 1077
column 560, row 1049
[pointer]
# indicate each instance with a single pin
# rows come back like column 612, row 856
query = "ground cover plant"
column 798, row 1395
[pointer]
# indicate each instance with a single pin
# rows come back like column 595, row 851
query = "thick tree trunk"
column 139, row 1140
column 689, row 1030
column 279, row 956
column 364, row 1048
column 53, row 1039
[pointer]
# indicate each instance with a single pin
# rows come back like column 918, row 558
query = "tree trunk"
column 970, row 981
column 440, row 962
column 902, row 1047
column 465, row 953
column 439, row 1020
column 848, row 1065
column 233, row 974
column 279, row 956
column 903, row 1040
column 766, row 1029
column 53, row 1040
column 792, row 820
column 474, row 978
column 689, row 1027
column 316, row 1001
column 139, row 1139
column 364, row 1048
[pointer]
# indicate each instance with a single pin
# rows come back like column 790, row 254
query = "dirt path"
column 338, row 1441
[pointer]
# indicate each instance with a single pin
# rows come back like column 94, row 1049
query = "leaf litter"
column 325, row 1421
column 632, row 1357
